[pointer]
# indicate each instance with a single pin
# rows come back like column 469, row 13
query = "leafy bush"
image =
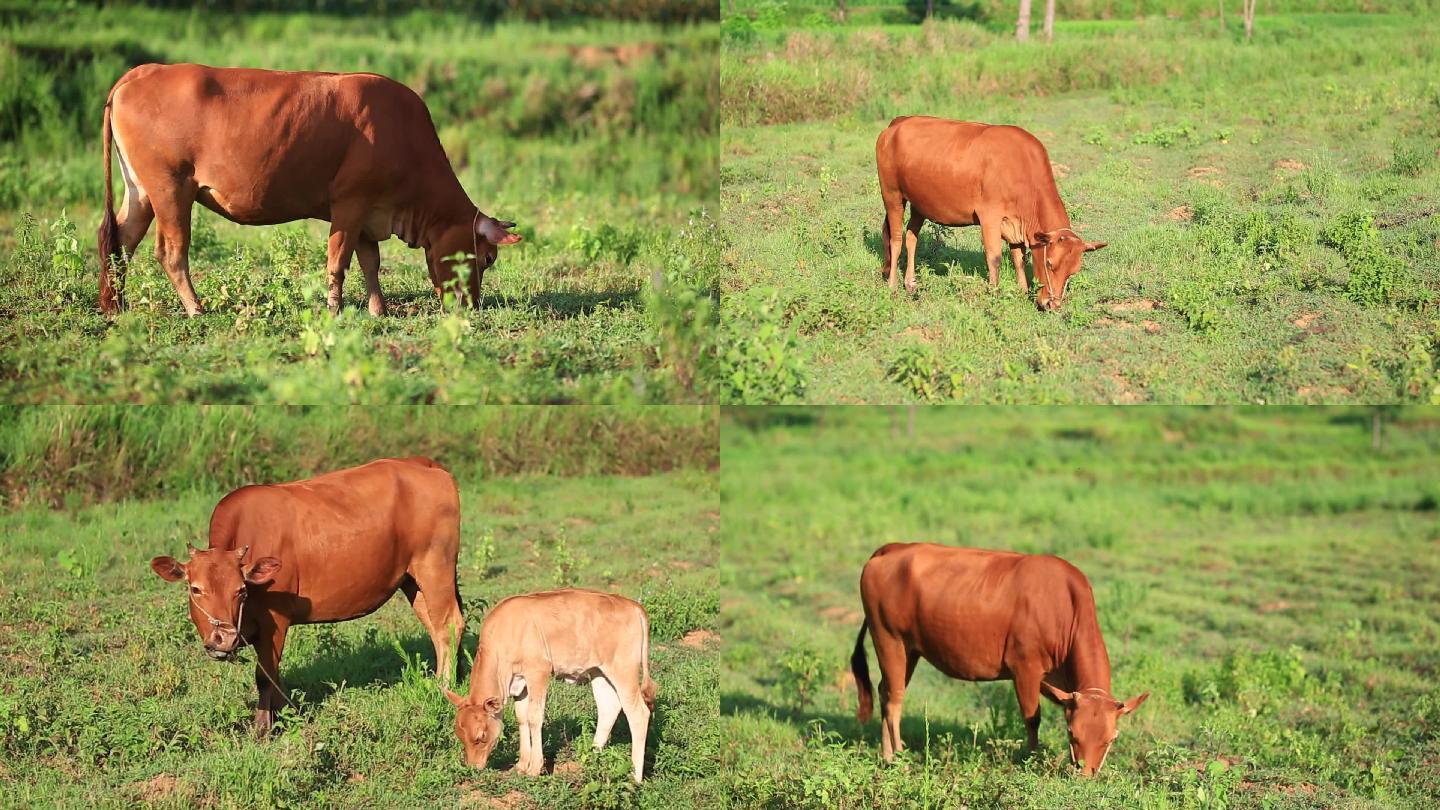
column 762, row 362
column 676, row 611
column 919, row 369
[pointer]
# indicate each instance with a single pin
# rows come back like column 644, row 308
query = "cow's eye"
column 194, row 590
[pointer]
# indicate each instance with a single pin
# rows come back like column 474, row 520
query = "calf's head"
column 480, row 240
column 219, row 580
column 1090, row 716
column 477, row 724
column 1056, row 256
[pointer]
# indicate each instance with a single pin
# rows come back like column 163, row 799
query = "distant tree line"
column 650, row 10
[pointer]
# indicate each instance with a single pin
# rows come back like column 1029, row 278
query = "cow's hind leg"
column 894, row 236
column 172, row 242
column 437, row 602
column 1017, row 257
column 368, row 252
column 885, row 246
column 337, row 261
column 912, row 238
column 607, row 709
column 133, row 218
column 896, row 667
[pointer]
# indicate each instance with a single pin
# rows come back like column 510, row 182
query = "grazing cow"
column 261, row 147
column 326, row 549
column 958, row 173
column 986, row 616
column 574, row 635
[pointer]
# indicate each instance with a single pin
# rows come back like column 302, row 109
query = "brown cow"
column 985, row 616
column 325, row 549
column 958, row 173
column 261, row 147
column 574, row 635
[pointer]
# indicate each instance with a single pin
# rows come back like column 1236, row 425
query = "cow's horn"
column 243, row 551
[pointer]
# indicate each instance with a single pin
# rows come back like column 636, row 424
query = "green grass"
column 1266, row 574
column 106, row 699
column 598, row 138
column 1268, row 206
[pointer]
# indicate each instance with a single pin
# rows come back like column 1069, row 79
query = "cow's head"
column 219, row 580
column 1056, row 256
column 1090, row 715
column 481, row 240
column 477, row 724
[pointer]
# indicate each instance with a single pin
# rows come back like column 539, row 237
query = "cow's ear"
column 458, row 700
column 262, row 571
column 1056, row 694
column 497, row 232
column 1089, row 246
column 1133, row 703
column 1041, row 238
column 492, row 706
column 168, row 568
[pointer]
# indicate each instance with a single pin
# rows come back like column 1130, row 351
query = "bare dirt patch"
column 1323, row 392
column 841, row 615
column 1201, row 172
column 1273, row 607
column 699, row 639
column 1060, row 169
column 510, row 801
column 929, row 334
column 1182, row 213
column 1292, row 165
column 1305, row 319
column 1150, row 327
column 160, row 787
column 1135, row 305
column 563, row 768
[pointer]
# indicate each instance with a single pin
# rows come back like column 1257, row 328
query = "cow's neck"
column 1049, row 216
column 422, row 224
column 1088, row 662
column 487, row 679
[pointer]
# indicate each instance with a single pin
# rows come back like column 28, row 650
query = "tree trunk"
column 1222, row 15
column 1022, row 25
column 1249, row 18
column 929, row 9
column 841, row 5
column 1049, row 20
column 1375, row 429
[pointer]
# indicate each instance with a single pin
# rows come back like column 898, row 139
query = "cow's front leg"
column 269, row 645
column 1027, row 692
column 342, row 245
column 1017, row 257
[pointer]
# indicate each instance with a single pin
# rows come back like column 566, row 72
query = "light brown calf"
column 575, row 635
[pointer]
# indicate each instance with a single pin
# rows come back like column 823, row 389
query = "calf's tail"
column 109, row 235
column 861, row 670
column 647, row 686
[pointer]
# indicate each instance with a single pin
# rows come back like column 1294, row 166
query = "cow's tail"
column 861, row 670
column 885, row 246
column 109, row 235
column 647, row 686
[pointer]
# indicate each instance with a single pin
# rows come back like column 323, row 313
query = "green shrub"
column 762, row 362
column 919, row 369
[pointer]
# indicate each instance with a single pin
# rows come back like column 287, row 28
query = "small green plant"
column 1410, row 159
column 762, row 361
column 801, row 671
column 919, row 369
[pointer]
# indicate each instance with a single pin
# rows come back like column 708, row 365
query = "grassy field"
column 1269, row 208
column 1269, row 576
column 107, row 700
column 598, row 138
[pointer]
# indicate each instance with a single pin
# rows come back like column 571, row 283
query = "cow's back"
column 353, row 531
column 966, row 610
column 950, row 171
column 575, row 627
column 269, row 146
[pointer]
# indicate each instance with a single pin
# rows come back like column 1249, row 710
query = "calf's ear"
column 1089, row 246
column 1133, row 703
column 497, row 232
column 168, row 569
column 458, row 700
column 1056, row 694
column 262, row 571
column 492, row 706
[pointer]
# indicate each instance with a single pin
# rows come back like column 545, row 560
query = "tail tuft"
column 108, row 237
column 861, row 670
column 647, row 691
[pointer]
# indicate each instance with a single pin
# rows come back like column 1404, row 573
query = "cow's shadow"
column 1004, row 731
column 938, row 257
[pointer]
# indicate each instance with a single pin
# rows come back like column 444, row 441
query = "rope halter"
column 1045, row 258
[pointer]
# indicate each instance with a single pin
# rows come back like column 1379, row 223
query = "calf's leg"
column 538, row 684
column 895, row 230
column 637, row 716
column 522, row 730
column 607, row 708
